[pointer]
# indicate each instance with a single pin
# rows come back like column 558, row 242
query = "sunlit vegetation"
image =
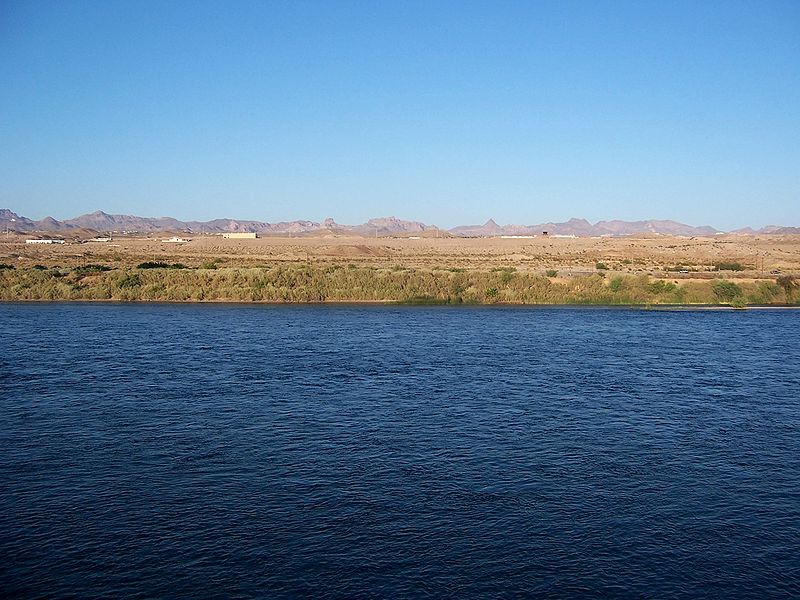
column 396, row 283
column 729, row 266
column 725, row 290
column 764, row 292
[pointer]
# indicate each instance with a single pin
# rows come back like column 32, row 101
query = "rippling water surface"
column 251, row 451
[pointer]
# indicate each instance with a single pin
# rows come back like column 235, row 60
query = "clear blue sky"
column 446, row 112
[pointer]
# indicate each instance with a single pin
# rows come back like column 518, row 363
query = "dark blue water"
column 250, row 451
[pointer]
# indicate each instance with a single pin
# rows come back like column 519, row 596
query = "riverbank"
column 308, row 283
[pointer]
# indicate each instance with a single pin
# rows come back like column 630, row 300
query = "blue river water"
column 209, row 451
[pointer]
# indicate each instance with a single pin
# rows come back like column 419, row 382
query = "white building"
column 44, row 241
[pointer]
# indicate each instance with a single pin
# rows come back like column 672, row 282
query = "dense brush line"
column 349, row 283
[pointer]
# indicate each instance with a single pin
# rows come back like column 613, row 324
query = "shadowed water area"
column 256, row 451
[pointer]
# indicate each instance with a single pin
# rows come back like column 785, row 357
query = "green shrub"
column 6, row 266
column 725, row 291
column 601, row 266
column 88, row 269
column 765, row 292
column 491, row 292
column 729, row 266
column 661, row 287
column 616, row 284
column 551, row 273
column 129, row 280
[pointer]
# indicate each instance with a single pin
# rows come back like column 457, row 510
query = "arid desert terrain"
column 760, row 256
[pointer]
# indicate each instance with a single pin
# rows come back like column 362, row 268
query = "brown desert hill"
column 100, row 221
column 237, row 225
column 664, row 227
column 576, row 227
column 776, row 230
column 768, row 230
column 488, row 229
column 50, row 224
column 12, row 221
column 393, row 225
column 381, row 226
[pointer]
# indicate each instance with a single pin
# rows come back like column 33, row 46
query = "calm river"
column 200, row 451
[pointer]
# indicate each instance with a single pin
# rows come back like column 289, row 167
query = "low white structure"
column 175, row 240
column 44, row 241
column 240, row 235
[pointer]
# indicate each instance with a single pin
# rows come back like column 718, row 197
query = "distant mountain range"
column 102, row 222
column 583, row 228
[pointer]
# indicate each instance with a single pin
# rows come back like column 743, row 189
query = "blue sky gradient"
column 447, row 112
